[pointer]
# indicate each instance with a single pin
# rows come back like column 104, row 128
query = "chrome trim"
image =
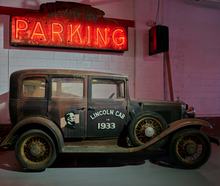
column 183, row 109
column 191, row 113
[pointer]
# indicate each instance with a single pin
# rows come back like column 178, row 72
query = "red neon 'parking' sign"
column 70, row 25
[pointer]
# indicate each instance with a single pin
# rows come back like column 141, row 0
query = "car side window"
column 108, row 89
column 33, row 87
column 67, row 87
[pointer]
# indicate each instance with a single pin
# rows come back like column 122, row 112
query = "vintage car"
column 75, row 111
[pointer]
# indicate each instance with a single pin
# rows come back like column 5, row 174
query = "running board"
column 94, row 146
column 94, row 149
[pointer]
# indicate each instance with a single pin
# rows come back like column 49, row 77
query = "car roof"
column 19, row 73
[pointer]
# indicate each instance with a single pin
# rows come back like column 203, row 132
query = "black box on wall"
column 158, row 39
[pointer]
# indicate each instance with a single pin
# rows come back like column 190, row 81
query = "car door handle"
column 81, row 108
column 91, row 108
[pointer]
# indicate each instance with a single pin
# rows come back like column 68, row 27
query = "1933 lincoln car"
column 85, row 112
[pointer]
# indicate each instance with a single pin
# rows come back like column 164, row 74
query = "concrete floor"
column 141, row 168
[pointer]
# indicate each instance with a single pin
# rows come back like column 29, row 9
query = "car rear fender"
column 40, row 123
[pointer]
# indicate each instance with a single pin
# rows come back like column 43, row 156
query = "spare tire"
column 144, row 127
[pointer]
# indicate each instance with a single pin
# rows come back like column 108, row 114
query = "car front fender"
column 189, row 122
column 39, row 121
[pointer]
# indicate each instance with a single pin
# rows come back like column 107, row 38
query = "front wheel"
column 144, row 127
column 35, row 150
column 190, row 148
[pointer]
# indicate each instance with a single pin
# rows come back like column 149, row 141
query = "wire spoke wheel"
column 146, row 126
column 143, row 125
column 190, row 148
column 35, row 150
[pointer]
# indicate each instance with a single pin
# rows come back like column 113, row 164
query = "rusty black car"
column 76, row 111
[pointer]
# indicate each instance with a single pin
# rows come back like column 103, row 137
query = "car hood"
column 169, row 110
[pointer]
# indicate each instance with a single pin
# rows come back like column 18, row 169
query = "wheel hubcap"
column 191, row 149
column 149, row 131
column 35, row 151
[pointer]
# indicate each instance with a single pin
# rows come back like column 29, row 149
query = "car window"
column 67, row 87
column 33, row 87
column 107, row 89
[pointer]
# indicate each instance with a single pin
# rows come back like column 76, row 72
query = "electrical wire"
column 157, row 16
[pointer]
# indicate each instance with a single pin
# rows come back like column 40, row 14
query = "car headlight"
column 191, row 113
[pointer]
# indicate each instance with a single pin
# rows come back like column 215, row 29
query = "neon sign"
column 69, row 25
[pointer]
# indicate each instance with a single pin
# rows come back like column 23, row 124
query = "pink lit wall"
column 195, row 53
column 149, row 69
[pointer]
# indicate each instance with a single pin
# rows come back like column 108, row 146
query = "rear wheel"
column 190, row 148
column 35, row 150
column 144, row 127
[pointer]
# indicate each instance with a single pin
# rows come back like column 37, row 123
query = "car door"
column 107, row 103
column 67, row 105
